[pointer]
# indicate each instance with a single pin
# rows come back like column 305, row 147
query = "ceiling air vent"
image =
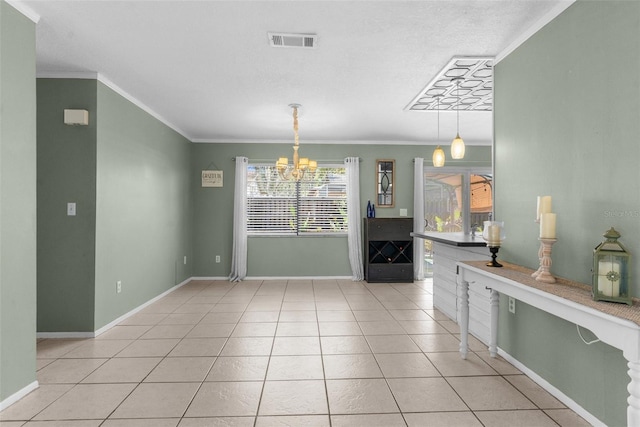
column 308, row 41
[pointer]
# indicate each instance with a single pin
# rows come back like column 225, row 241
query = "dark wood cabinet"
column 388, row 249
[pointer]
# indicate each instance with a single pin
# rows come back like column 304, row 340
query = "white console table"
column 615, row 324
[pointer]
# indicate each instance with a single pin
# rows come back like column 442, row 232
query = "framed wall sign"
column 385, row 175
column 211, row 178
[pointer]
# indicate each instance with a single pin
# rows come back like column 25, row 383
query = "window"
column 315, row 205
column 457, row 200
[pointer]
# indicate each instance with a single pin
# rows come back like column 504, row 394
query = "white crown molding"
column 24, row 9
column 537, row 26
column 330, row 142
column 81, row 75
column 104, row 80
column 117, row 89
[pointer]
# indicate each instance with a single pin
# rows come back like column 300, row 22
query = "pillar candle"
column 548, row 226
column 494, row 233
column 544, row 206
column 605, row 286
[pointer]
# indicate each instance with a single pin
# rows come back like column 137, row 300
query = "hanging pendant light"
column 457, row 145
column 296, row 170
column 438, row 153
column 438, row 157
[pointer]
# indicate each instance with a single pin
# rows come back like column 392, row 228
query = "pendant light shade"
column 438, row 153
column 457, row 148
column 457, row 145
column 438, row 157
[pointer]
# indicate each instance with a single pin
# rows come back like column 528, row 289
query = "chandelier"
column 300, row 166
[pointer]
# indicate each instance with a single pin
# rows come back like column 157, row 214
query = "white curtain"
column 354, row 239
column 239, row 254
column 418, row 218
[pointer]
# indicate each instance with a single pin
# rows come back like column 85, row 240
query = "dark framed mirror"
column 385, row 176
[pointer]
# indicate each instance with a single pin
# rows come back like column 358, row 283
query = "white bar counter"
column 452, row 239
column 448, row 249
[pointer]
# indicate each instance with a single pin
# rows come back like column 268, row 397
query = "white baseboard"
column 570, row 403
column 125, row 316
column 279, row 278
column 73, row 335
column 105, row 328
column 113, row 323
column 298, row 278
column 18, row 395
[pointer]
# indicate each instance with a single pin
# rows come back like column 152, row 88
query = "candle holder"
column 494, row 254
column 493, row 233
column 540, row 256
column 545, row 261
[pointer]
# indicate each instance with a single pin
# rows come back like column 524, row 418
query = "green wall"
column 130, row 177
column 66, row 173
column 17, row 202
column 144, row 207
column 295, row 256
column 567, row 104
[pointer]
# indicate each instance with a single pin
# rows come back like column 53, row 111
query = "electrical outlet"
column 512, row 305
column 185, row 260
column 217, row 259
column 118, row 286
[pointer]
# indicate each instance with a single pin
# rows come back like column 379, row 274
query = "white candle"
column 543, row 206
column 608, row 287
column 548, row 226
column 494, row 234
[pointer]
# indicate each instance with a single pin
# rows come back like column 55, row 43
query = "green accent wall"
column 17, row 202
column 66, row 173
column 567, row 103
column 295, row 256
column 143, row 207
column 129, row 175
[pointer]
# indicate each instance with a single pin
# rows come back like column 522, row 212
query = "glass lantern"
column 493, row 233
column 611, row 270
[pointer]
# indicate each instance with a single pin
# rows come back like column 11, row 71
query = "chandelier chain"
column 300, row 166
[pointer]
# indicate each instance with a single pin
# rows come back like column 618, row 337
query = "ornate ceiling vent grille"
column 476, row 87
column 308, row 41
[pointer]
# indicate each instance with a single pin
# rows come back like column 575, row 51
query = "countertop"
column 453, row 239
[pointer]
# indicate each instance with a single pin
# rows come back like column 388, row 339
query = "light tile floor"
column 282, row 353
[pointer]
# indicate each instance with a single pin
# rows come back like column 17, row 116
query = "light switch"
column 71, row 209
column 403, row 212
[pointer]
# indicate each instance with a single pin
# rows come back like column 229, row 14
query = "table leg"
column 633, row 410
column 464, row 321
column 495, row 309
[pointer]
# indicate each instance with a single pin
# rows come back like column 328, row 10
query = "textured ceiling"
column 207, row 69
